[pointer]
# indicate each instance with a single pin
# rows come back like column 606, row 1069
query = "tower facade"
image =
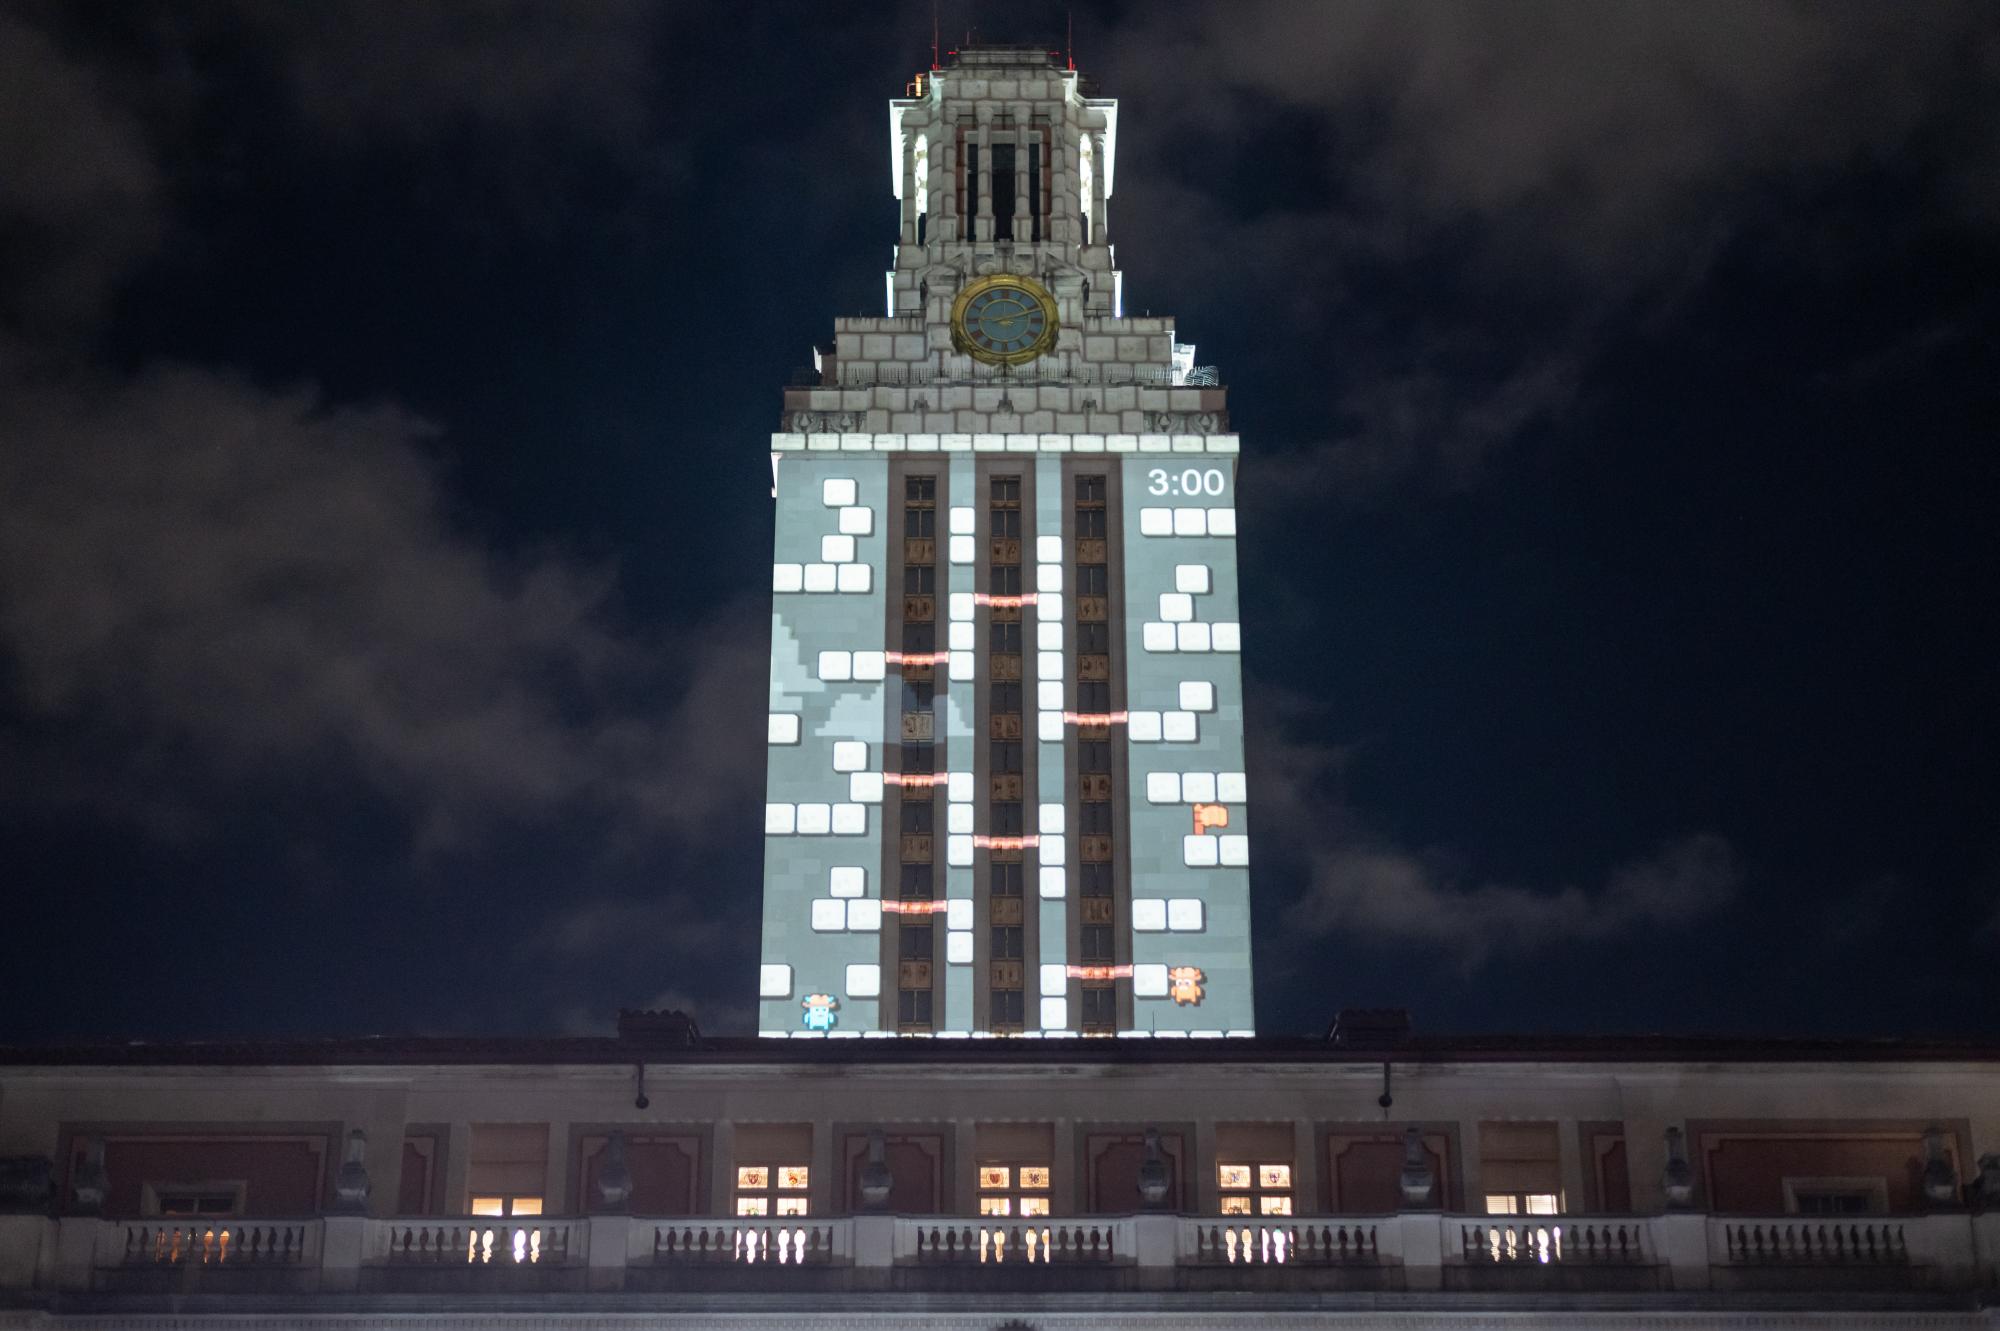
column 1006, row 787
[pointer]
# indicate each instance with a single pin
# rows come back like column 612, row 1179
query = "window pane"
column 753, row 1206
column 524, row 1206
column 1034, row 1206
column 1542, row 1203
column 1499, row 1204
column 753, row 1176
column 995, row 1206
column 1236, row 1205
column 1274, row 1176
column 792, row 1176
column 489, row 1206
column 1034, row 1176
column 995, row 1176
column 791, row 1206
column 1274, row 1206
column 1233, row 1176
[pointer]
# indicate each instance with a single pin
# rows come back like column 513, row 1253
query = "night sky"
column 385, row 526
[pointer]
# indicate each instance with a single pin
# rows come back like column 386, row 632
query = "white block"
column 1048, row 665
column 958, row 949
column 1142, row 727
column 961, row 665
column 774, row 980
column 1049, row 694
column 788, row 577
column 1198, row 787
column 849, row 755
column 1191, row 637
column 1163, row 787
column 821, row 577
column 836, row 549
column 1231, row 787
column 864, row 916
column 1149, row 914
column 1176, row 607
column 1048, row 635
column 1048, row 578
column 960, row 635
column 1191, row 578
column 1178, row 727
column 815, row 819
column 958, row 851
column 1055, row 1014
column 1235, row 849
column 1156, row 522
column 853, row 578
column 958, row 787
column 1190, row 522
column 1198, row 852
column 962, row 550
column 828, row 915
column 958, row 818
column 1048, row 550
column 1157, row 637
column 847, row 880
column 1197, row 695
column 1053, row 849
column 780, row 819
column 836, row 665
column 864, row 979
column 1228, row 637
column 837, row 492
column 870, row 665
column 1050, row 818
column 962, row 605
column 1222, row 522
column 784, row 728
column 1055, row 977
column 1184, row 914
column 962, row 522
column 857, row 521
column 1054, row 882
column 1049, row 607
column 865, row 787
column 1149, row 980
column 958, row 913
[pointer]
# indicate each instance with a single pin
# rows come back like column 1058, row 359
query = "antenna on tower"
column 934, row 34
column 1069, row 42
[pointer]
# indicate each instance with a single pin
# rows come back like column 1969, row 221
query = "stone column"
column 1069, row 1193
column 1569, row 1157
column 722, row 1168
column 909, row 189
column 1062, row 187
column 1023, row 145
column 1206, row 1195
column 1101, row 230
column 555, row 1188
column 961, row 1190
column 826, row 1189
column 944, row 185
column 983, row 223
column 1307, row 1195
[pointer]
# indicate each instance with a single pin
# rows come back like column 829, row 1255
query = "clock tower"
column 1006, row 788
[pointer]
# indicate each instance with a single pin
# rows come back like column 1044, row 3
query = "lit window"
column 1013, row 1190
column 771, row 1189
column 506, row 1205
column 1523, row 1203
column 1255, row 1189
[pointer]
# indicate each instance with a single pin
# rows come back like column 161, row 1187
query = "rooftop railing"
column 912, row 376
column 1677, row 1251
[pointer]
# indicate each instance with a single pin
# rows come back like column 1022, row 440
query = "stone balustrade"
column 1677, row 1251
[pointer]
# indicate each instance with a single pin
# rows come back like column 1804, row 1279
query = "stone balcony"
column 1664, row 1257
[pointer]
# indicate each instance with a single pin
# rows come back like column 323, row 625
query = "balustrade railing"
column 1554, row 1240
column 1812, row 1243
column 1081, row 376
column 1033, row 1242
column 1278, row 1243
column 749, row 1242
column 219, row 1243
column 477, row 1241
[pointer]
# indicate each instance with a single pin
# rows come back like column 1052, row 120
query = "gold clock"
column 1005, row 319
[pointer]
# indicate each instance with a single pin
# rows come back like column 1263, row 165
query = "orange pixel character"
column 1184, row 983
column 1209, row 815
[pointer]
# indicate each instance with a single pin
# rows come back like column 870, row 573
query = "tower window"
column 1091, row 579
column 1005, row 635
column 1003, row 191
column 913, row 1009
column 1093, row 756
column 1005, row 880
column 919, row 635
column 1007, row 819
column 1090, row 491
column 1094, row 942
column 917, row 816
column 970, row 192
column 1007, row 1008
column 771, row 1189
column 1004, row 698
column 919, row 758
column 1007, row 943
column 1006, row 1189
column 1004, row 757
column 1260, row 1189
column 1005, row 579
column 1100, row 1008
column 913, row 942
column 1094, row 879
column 916, row 885
column 919, row 579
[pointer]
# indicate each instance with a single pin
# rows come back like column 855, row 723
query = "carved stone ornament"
column 876, row 1178
column 1940, row 1179
column 89, row 1184
column 1156, row 1176
column 1418, row 1177
column 350, row 1185
column 614, row 1176
column 1677, row 1175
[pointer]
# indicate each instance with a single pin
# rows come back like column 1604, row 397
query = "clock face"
column 1004, row 320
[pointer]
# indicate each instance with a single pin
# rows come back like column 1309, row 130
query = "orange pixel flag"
column 1209, row 815
column 1184, row 983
